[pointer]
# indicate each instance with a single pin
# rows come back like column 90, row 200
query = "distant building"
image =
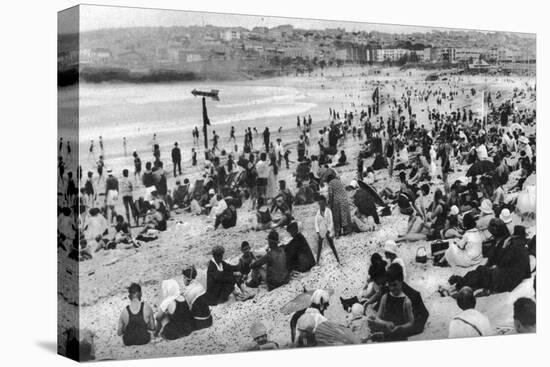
column 131, row 59
column 294, row 52
column 230, row 35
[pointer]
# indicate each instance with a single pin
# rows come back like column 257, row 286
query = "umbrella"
column 480, row 167
column 301, row 302
column 372, row 193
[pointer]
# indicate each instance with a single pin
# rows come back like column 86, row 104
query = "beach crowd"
column 474, row 221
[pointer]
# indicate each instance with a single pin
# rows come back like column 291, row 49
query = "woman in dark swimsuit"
column 136, row 319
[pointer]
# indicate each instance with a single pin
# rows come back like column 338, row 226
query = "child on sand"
column 358, row 322
column 324, row 226
column 395, row 316
column 390, row 252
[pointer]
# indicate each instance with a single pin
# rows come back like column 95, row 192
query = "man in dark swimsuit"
column 136, row 319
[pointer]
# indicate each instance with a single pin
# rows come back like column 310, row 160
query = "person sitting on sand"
column 342, row 160
column 395, row 317
column 263, row 215
column 324, row 226
column 361, row 223
column 374, row 286
column 470, row 322
column 228, row 217
column 196, row 298
column 452, row 228
column 485, row 216
column 298, row 253
column 154, row 220
column 286, row 214
column 174, row 318
column 220, row 280
column 525, row 316
column 136, row 319
column 277, row 273
column 358, row 323
column 390, row 253
column 180, row 195
column 315, row 312
column 467, row 251
column 95, row 225
column 255, row 276
column 123, row 236
column 258, row 332
column 505, row 270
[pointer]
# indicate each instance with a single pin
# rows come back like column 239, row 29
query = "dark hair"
column 322, row 198
column 148, row 165
column 525, row 311
column 468, row 221
column 245, row 244
column 395, row 273
column 402, row 176
column 125, row 172
column 119, row 218
column 519, row 231
column 425, row 189
column 465, row 298
column 134, row 291
column 498, row 228
column 189, row 272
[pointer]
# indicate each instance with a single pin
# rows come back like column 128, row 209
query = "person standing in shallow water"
column 136, row 319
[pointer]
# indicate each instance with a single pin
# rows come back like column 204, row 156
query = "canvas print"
column 244, row 183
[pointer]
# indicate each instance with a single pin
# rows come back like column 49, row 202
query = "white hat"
column 523, row 139
column 357, row 309
column 391, row 247
column 486, row 207
column 319, row 297
column 505, row 216
column 454, row 210
column 354, row 184
column 109, row 171
column 211, row 192
column 257, row 329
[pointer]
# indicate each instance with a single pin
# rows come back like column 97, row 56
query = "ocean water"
column 137, row 111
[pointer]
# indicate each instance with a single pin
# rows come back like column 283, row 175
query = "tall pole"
column 205, row 125
column 482, row 109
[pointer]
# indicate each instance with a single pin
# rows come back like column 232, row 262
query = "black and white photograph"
column 233, row 183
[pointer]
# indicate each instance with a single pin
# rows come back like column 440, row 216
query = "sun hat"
column 211, row 192
column 486, row 207
column 354, row 184
column 391, row 247
column 523, row 139
column 109, row 171
column 320, row 297
column 257, row 330
column 454, row 210
column 505, row 216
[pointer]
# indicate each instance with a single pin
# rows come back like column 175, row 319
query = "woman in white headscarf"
column 195, row 295
column 174, row 318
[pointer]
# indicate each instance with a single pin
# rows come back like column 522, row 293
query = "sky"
column 99, row 17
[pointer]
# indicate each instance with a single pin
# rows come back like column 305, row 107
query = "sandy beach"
column 103, row 280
